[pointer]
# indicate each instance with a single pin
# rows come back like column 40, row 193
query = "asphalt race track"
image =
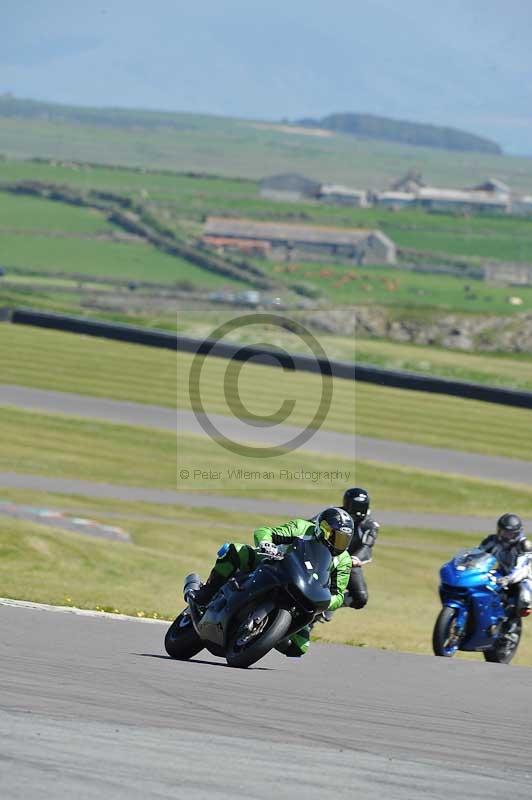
column 92, row 708
column 324, row 441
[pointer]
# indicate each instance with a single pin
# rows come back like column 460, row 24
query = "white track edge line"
column 82, row 612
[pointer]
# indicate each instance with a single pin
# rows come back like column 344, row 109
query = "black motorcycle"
column 254, row 612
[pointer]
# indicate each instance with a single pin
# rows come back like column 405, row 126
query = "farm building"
column 492, row 185
column 512, row 274
column 522, row 205
column 289, row 187
column 395, row 199
column 289, row 242
column 343, row 196
column 409, row 183
column 490, row 196
column 460, row 200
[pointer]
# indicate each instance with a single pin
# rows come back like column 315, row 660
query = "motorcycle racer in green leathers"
column 334, row 527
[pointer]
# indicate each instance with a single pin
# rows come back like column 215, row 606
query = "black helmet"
column 509, row 529
column 335, row 527
column 356, row 503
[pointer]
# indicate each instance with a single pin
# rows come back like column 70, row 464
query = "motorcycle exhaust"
column 192, row 584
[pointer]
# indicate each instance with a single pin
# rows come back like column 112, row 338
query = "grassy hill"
column 395, row 130
column 233, row 147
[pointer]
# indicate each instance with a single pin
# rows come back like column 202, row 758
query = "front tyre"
column 247, row 645
column 181, row 640
column 446, row 636
column 507, row 643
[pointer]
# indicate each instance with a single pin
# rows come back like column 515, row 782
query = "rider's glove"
column 504, row 581
column 269, row 549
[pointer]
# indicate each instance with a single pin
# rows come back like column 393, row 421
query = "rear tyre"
column 507, row 643
column 446, row 637
column 181, row 640
column 242, row 652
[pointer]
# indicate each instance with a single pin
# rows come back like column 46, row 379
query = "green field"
column 182, row 200
column 102, row 259
column 34, row 214
column 46, row 237
column 511, row 370
column 404, row 289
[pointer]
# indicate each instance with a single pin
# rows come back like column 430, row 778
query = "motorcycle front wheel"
column 181, row 640
column 248, row 644
column 507, row 643
column 446, row 637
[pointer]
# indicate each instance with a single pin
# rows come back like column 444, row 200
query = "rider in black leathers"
column 356, row 503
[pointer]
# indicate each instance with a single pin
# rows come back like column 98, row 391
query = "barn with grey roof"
column 289, row 242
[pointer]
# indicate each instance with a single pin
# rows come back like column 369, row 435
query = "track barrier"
column 364, row 373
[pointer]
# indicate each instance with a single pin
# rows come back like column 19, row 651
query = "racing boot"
column 297, row 645
column 205, row 593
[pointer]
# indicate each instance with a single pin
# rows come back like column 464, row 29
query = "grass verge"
column 509, row 370
column 68, row 447
column 65, row 362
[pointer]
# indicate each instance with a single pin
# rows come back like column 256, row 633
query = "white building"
column 522, row 205
column 343, row 195
column 435, row 199
column 395, row 199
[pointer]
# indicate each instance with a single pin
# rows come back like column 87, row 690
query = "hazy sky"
column 465, row 63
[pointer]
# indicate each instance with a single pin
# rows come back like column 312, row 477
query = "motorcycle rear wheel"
column 181, row 640
column 445, row 639
column 244, row 655
column 505, row 648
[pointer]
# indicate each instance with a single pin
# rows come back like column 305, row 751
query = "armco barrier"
column 338, row 369
column 92, row 327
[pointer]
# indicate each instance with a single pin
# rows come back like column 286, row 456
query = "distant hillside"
column 396, row 130
column 13, row 107
column 230, row 147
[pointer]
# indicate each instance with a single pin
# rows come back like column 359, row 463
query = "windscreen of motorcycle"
column 307, row 565
column 476, row 559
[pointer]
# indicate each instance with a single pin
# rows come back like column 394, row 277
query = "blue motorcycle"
column 477, row 614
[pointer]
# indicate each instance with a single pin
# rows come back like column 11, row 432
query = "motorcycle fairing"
column 467, row 586
column 303, row 572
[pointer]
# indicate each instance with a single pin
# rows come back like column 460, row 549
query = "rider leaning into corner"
column 513, row 552
column 334, row 527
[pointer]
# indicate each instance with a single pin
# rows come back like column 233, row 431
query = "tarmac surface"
column 323, row 441
column 91, row 707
